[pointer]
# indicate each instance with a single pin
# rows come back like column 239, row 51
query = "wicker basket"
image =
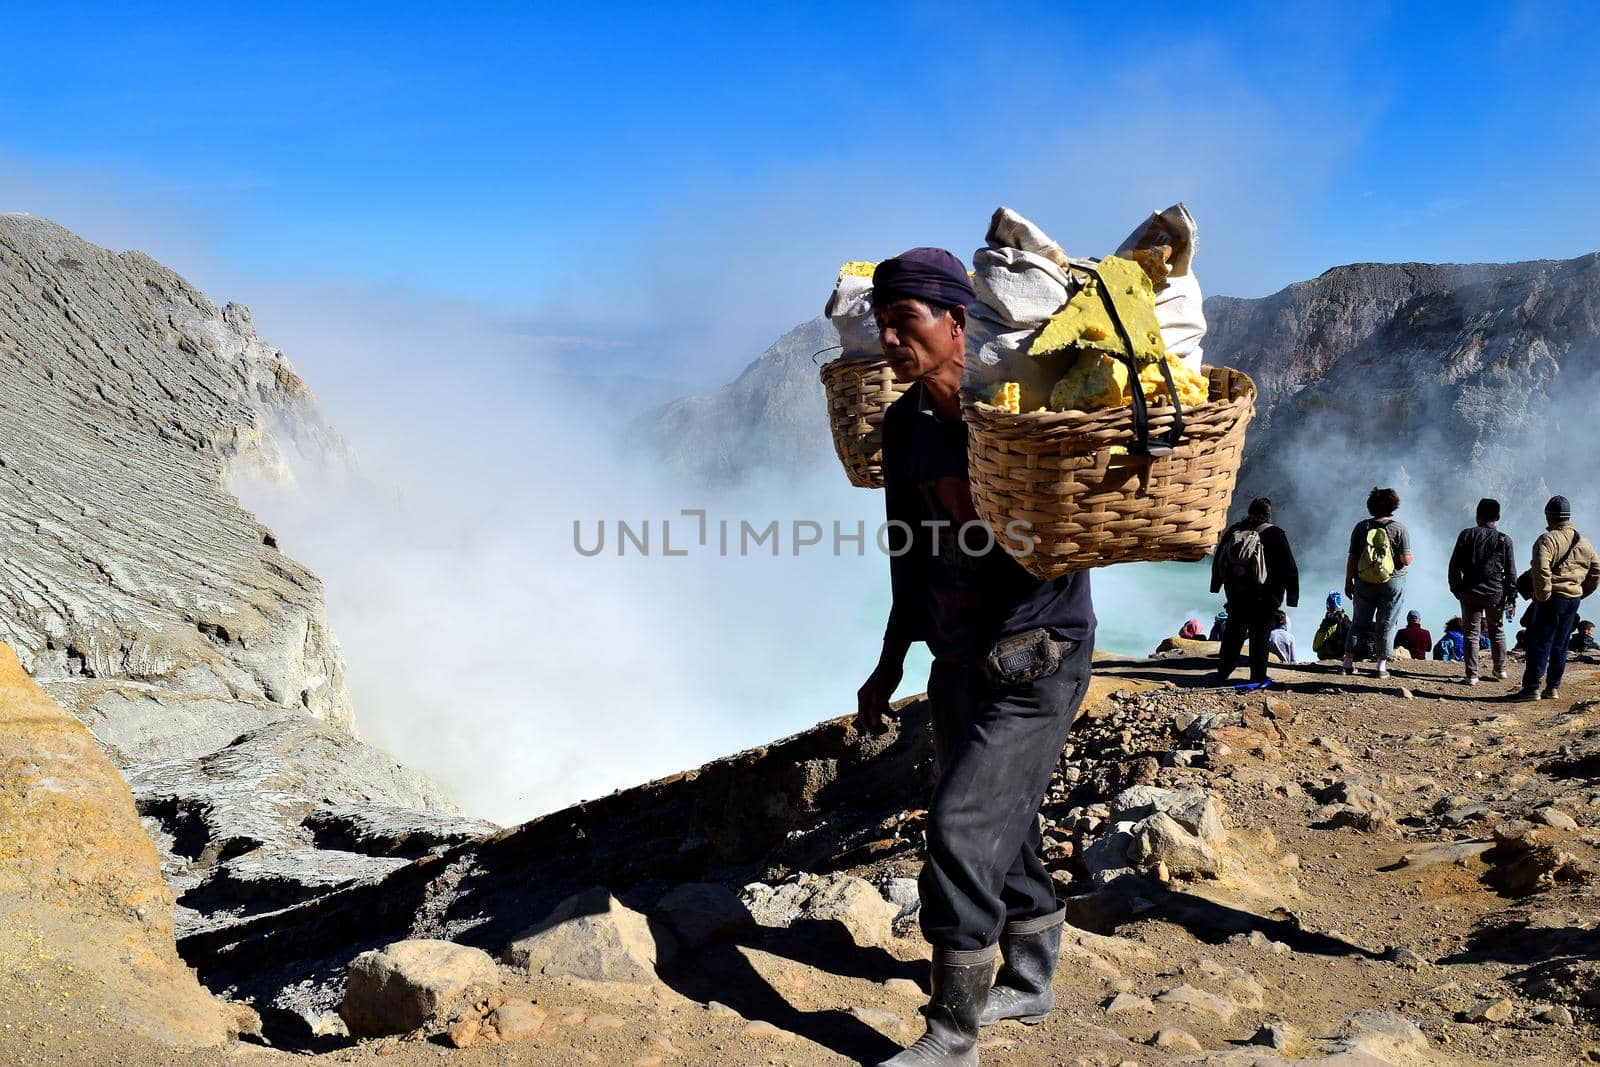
column 1089, row 507
column 860, row 389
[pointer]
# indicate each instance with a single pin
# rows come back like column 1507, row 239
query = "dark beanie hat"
column 1558, row 508
column 928, row 274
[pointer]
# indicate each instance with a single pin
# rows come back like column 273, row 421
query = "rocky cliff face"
column 140, row 594
column 127, row 398
column 1465, row 380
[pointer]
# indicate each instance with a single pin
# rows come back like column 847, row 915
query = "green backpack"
column 1376, row 564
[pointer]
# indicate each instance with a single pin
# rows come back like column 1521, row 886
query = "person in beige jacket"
column 1565, row 570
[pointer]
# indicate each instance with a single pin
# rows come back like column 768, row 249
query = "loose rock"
column 594, row 936
column 410, row 984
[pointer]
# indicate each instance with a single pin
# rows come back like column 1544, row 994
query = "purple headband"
column 929, row 274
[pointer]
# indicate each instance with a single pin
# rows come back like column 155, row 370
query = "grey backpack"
column 1244, row 557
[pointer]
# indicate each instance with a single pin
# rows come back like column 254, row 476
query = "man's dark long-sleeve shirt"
column 1283, row 574
column 960, row 600
column 1483, row 567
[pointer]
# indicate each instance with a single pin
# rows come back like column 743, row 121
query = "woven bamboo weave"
column 860, row 389
column 1088, row 506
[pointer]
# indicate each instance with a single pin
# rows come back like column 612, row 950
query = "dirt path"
column 1408, row 909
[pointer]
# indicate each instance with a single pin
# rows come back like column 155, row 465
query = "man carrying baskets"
column 1011, row 664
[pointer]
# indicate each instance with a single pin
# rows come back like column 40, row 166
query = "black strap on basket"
column 818, row 352
column 1142, row 445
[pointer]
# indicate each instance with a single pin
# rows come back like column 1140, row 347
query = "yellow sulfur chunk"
column 1008, row 397
column 1192, row 386
column 857, row 268
column 1093, row 381
column 1085, row 323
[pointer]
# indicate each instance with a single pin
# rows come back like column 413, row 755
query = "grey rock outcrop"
column 140, row 594
column 127, row 401
column 1491, row 365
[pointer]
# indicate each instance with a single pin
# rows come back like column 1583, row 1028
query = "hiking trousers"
column 1375, row 608
column 1476, row 614
column 997, row 747
column 1548, row 639
column 1248, row 619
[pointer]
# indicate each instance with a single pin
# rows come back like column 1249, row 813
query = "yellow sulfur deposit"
column 1086, row 324
column 1094, row 381
column 1192, row 385
column 857, row 268
column 1007, row 396
column 1098, row 381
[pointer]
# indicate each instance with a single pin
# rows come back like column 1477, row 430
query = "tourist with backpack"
column 1375, row 579
column 1565, row 570
column 1254, row 565
column 1483, row 579
column 1333, row 631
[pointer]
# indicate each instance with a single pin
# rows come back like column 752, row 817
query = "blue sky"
column 679, row 182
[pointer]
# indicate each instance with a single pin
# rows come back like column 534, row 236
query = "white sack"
column 850, row 311
column 1178, row 305
column 1182, row 317
column 998, row 352
column 1022, row 279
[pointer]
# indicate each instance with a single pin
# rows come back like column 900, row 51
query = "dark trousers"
column 1252, row 619
column 1548, row 639
column 997, row 747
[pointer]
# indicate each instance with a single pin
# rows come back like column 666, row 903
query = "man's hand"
column 872, row 699
column 1350, row 590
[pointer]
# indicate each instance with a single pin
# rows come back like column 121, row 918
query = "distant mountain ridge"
column 1468, row 380
column 1470, row 374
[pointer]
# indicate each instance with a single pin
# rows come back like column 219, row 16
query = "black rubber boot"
column 1025, row 987
column 960, row 985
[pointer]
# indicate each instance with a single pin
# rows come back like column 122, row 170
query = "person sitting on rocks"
column 1375, row 579
column 1583, row 638
column 1452, row 646
column 1413, row 638
column 1011, row 658
column 1565, row 570
column 1280, row 642
column 1219, row 626
column 1329, row 640
column 1193, row 630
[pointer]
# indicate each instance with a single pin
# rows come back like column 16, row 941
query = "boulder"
column 85, row 918
column 1355, row 802
column 1160, row 839
column 594, row 936
column 701, row 913
column 848, row 907
column 515, row 1020
column 1198, row 1000
column 1181, row 830
column 412, row 984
